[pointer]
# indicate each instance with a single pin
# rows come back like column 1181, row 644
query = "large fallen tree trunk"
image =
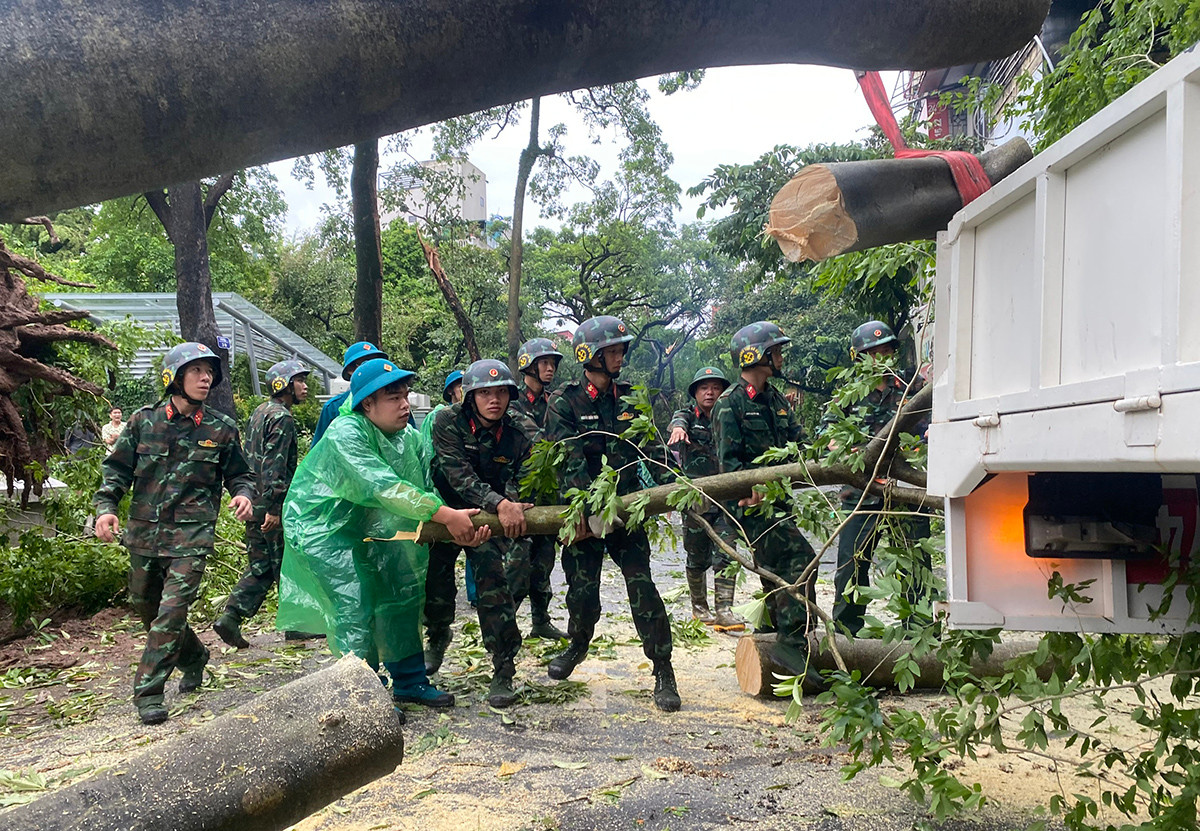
column 112, row 97
column 830, row 209
column 759, row 662
column 262, row 766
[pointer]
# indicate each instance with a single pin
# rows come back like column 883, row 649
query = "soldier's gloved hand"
column 242, row 509
column 270, row 522
column 678, row 435
column 600, row 528
column 512, row 517
column 107, row 527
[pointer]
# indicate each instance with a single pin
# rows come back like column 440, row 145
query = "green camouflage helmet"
column 180, row 356
column 595, row 333
column 488, row 373
column 281, row 375
column 750, row 344
column 869, row 335
column 707, row 373
column 531, row 350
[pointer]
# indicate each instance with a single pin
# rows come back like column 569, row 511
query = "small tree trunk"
column 368, row 253
column 758, row 663
column 528, row 156
column 188, row 232
column 263, row 766
column 456, row 307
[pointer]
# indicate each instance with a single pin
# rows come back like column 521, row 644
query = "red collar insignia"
column 197, row 416
column 592, row 392
column 751, row 391
column 698, row 413
column 530, row 396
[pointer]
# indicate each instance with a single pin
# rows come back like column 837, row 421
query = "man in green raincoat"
column 344, row 574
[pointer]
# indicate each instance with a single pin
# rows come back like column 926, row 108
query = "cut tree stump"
column 758, row 661
column 263, row 766
column 830, row 209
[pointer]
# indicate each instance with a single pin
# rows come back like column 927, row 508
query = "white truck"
column 1066, row 415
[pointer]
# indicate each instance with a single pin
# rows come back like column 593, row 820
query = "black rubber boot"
column 666, row 692
column 293, row 635
column 193, row 676
column 435, row 651
column 229, row 629
column 502, row 692
column 564, row 663
column 697, row 579
column 544, row 628
column 152, row 713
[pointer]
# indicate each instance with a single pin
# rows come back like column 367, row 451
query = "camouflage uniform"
column 271, row 452
column 748, row 421
column 175, row 465
column 699, row 458
column 861, row 532
column 476, row 467
column 538, row 550
column 577, row 408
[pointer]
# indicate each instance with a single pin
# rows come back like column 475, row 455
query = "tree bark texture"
column 261, row 767
column 368, row 246
column 126, row 96
column 456, row 307
column 529, row 156
column 757, row 662
column 186, row 216
column 830, row 209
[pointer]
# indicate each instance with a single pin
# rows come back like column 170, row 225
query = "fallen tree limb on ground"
column 830, row 209
column 758, row 662
column 262, row 766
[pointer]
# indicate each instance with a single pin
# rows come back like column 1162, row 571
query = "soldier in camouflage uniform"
column 537, row 361
column 580, row 414
column 749, row 418
column 271, row 451
column 174, row 457
column 691, row 437
column 861, row 532
column 479, row 448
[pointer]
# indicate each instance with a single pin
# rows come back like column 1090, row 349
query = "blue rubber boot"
column 410, row 685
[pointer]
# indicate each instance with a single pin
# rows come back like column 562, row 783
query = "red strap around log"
column 969, row 175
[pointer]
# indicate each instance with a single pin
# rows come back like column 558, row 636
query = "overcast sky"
column 735, row 115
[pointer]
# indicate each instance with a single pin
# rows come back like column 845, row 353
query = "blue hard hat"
column 453, row 378
column 373, row 375
column 358, row 351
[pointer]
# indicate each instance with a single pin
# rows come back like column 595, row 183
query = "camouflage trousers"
column 630, row 550
column 857, row 541
column 780, row 547
column 702, row 552
column 494, row 602
column 529, row 564
column 265, row 555
column 160, row 590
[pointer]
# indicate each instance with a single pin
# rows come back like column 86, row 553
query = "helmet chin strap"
column 602, row 366
column 487, row 422
column 179, row 391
